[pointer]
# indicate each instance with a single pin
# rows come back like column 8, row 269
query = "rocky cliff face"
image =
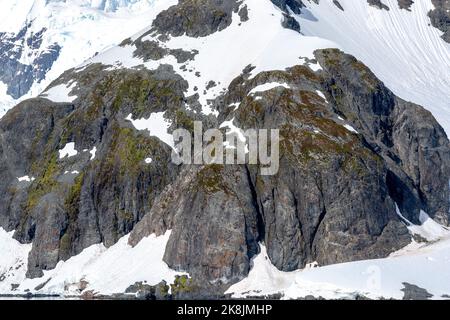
column 440, row 17
column 350, row 152
column 312, row 209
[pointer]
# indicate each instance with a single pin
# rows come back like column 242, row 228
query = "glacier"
column 82, row 28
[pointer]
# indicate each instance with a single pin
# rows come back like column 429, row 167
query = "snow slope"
column 102, row 270
column 425, row 265
column 81, row 27
column 235, row 47
column 399, row 46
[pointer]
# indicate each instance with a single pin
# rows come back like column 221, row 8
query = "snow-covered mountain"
column 360, row 206
column 39, row 39
column 400, row 46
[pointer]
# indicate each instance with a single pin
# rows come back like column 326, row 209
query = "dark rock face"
column 440, row 17
column 312, row 209
column 413, row 292
column 19, row 77
column 405, row 4
column 378, row 4
column 285, row 5
column 152, row 50
column 338, row 4
column 196, row 18
column 289, row 22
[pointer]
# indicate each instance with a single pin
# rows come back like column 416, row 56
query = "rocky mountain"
column 92, row 203
column 40, row 39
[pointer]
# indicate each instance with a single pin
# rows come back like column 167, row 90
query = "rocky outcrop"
column 338, row 4
column 406, row 135
column 440, row 17
column 405, row 4
column 413, row 292
column 286, row 5
column 378, row 4
column 197, row 18
column 312, row 209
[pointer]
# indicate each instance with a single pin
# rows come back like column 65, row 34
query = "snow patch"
column 424, row 265
column 320, row 94
column 93, row 152
column 428, row 229
column 233, row 130
column 350, row 128
column 60, row 93
column 156, row 125
column 68, row 151
column 13, row 260
column 267, row 87
column 72, row 172
column 26, row 179
column 263, row 279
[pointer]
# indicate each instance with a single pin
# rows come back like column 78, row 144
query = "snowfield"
column 423, row 264
column 97, row 269
column 399, row 46
column 60, row 93
column 112, row 270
